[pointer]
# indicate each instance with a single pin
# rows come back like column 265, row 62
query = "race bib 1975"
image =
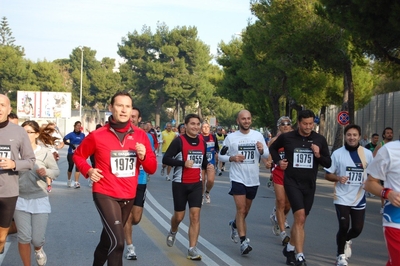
column 303, row 158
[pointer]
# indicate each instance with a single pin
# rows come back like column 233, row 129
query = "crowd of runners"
column 123, row 156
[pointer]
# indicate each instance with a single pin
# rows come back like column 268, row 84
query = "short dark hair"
column 348, row 127
column 77, row 122
column 120, row 93
column 12, row 116
column 189, row 116
column 384, row 131
column 375, row 135
column 305, row 114
column 137, row 109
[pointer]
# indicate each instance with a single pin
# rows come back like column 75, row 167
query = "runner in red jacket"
column 119, row 149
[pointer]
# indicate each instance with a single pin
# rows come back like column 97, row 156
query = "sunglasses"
column 285, row 124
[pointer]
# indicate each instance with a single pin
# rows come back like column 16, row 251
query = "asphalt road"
column 74, row 228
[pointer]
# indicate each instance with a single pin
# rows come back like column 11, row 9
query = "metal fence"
column 379, row 113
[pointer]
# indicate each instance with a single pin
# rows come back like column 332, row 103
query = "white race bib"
column 123, row 163
column 249, row 152
column 355, row 175
column 303, row 158
column 5, row 151
column 196, row 157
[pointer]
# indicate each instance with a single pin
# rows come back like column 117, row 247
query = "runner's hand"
column 95, row 174
column 189, row 163
column 283, row 164
column 140, row 150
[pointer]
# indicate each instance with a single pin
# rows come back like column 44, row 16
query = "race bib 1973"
column 123, row 163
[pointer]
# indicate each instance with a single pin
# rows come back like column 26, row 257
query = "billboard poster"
column 26, row 104
column 46, row 104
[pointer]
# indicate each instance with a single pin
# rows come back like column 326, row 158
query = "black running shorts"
column 187, row 193
column 300, row 198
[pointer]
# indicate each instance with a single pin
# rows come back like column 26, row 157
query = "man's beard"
column 243, row 127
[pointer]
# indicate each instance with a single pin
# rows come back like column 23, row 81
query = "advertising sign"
column 43, row 104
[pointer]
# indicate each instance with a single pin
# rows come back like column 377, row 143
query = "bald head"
column 5, row 108
column 244, row 121
column 243, row 113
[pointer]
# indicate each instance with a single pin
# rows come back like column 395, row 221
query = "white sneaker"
column 285, row 238
column 167, row 178
column 347, row 249
column 171, row 239
column 69, row 183
column 275, row 226
column 341, row 260
column 40, row 257
column 234, row 232
column 245, row 247
column 287, row 226
column 193, row 254
column 130, row 253
column 77, row 185
column 206, row 198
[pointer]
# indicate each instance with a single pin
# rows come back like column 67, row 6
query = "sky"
column 51, row 29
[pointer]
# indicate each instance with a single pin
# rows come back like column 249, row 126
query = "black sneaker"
column 301, row 261
column 290, row 256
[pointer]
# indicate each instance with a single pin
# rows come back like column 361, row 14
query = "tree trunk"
column 159, row 104
column 199, row 112
column 348, row 102
column 348, row 82
column 322, row 121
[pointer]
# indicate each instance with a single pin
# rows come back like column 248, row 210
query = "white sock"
column 289, row 247
column 298, row 255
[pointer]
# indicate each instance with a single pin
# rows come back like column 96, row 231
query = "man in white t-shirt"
column 243, row 149
column 386, row 167
column 348, row 173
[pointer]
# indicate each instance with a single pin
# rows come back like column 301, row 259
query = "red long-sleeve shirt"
column 115, row 159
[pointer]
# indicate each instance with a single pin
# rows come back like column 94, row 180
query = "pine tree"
column 6, row 33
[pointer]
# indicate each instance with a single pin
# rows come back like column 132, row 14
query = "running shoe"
column 290, row 256
column 287, row 226
column 77, row 185
column 245, row 247
column 40, row 257
column 301, row 261
column 206, row 198
column 167, row 178
column 193, row 254
column 171, row 239
column 341, row 260
column 347, row 249
column 220, row 173
column 49, row 188
column 163, row 171
column 285, row 238
column 130, row 254
column 69, row 183
column 234, row 232
column 275, row 226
